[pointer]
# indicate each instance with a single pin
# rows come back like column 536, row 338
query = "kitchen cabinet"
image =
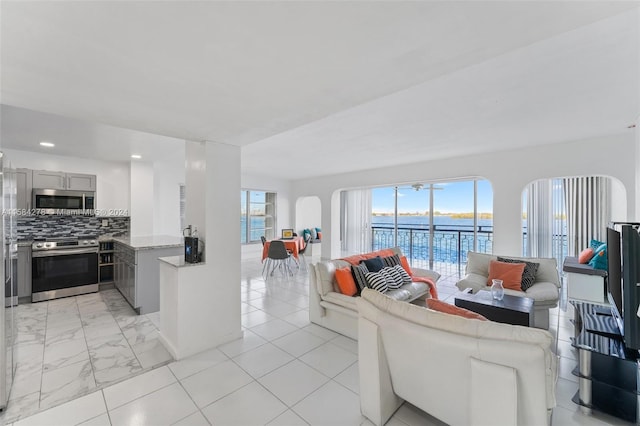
column 136, row 271
column 125, row 272
column 60, row 180
column 24, row 185
column 80, row 182
column 24, row 271
column 49, row 180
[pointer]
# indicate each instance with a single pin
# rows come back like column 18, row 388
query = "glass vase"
column 497, row 290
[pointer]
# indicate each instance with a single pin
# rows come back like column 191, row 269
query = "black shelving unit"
column 607, row 370
column 105, row 262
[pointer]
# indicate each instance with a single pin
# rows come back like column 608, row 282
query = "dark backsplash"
column 30, row 227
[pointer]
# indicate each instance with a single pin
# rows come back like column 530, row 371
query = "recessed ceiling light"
column 47, row 144
column 136, row 156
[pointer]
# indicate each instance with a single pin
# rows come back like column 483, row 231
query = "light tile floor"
column 67, row 348
column 277, row 374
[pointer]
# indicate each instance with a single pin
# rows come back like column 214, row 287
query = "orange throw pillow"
column 509, row 273
column 405, row 264
column 346, row 283
column 440, row 306
column 586, row 255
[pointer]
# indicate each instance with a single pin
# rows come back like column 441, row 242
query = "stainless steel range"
column 63, row 267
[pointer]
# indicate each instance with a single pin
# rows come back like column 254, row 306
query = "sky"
column 452, row 197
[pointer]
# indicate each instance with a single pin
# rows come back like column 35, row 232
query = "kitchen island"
column 137, row 271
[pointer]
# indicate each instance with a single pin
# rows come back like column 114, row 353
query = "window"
column 434, row 222
column 257, row 215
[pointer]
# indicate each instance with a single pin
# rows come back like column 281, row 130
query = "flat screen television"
column 623, row 256
column 630, row 280
column 614, row 275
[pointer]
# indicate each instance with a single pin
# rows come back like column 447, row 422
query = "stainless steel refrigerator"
column 9, row 293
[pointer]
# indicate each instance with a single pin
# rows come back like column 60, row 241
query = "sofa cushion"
column 586, row 255
column 400, row 294
column 406, row 278
column 393, row 276
column 415, row 289
column 346, row 283
column 359, row 272
column 440, row 306
column 478, row 263
column 529, row 274
column 377, row 281
column 599, row 259
column 391, row 260
column 509, row 273
column 405, row 264
column 374, row 264
column 543, row 292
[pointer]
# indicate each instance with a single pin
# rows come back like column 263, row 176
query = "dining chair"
column 277, row 257
column 302, row 251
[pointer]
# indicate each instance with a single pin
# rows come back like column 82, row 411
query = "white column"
column 200, row 304
column 196, row 186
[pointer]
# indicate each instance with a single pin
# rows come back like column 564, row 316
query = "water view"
column 453, row 236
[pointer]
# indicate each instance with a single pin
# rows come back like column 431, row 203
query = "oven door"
column 63, row 273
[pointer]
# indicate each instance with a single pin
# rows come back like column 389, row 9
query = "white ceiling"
column 381, row 82
column 24, row 129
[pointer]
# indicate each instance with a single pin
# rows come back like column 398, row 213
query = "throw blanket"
column 356, row 259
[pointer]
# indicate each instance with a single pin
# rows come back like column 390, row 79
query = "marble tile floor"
column 69, row 347
column 277, row 374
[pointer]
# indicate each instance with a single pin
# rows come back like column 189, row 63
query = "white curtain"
column 540, row 219
column 356, row 221
column 588, row 207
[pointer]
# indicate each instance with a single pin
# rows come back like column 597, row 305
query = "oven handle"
column 50, row 253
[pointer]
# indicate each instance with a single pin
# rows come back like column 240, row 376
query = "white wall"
column 284, row 212
column 112, row 177
column 308, row 213
column 166, row 205
column 142, row 196
column 508, row 171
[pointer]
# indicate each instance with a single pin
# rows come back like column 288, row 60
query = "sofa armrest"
column 426, row 273
column 475, row 282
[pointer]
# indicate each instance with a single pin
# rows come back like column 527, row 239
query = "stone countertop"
column 150, row 241
column 178, row 261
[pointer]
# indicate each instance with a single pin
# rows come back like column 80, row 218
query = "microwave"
column 58, row 201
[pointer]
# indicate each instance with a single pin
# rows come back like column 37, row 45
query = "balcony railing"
column 450, row 243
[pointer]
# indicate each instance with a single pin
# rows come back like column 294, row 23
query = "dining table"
column 294, row 245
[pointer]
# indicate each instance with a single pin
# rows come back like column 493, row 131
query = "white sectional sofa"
column 461, row 371
column 544, row 291
column 338, row 312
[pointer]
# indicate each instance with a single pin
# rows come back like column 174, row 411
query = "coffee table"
column 510, row 310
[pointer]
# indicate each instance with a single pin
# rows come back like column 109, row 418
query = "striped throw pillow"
column 377, row 281
column 406, row 278
column 394, row 279
column 358, row 272
column 391, row 260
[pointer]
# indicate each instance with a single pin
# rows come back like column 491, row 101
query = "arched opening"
column 561, row 215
